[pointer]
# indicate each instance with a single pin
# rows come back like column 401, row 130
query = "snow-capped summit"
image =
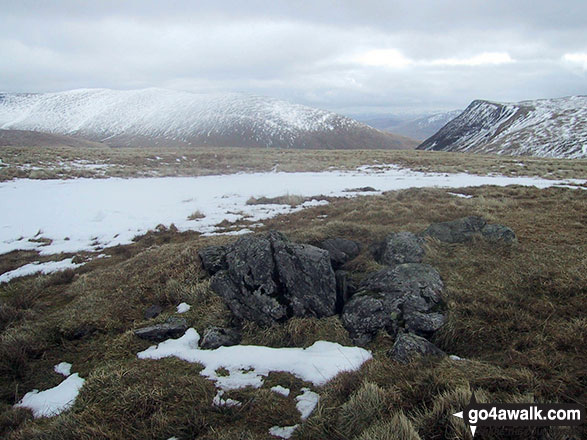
column 150, row 117
column 544, row 128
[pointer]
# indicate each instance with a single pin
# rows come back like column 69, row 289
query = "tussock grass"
column 515, row 313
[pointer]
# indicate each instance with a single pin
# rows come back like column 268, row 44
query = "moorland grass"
column 515, row 315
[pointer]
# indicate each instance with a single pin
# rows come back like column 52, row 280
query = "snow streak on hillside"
column 544, row 128
column 153, row 116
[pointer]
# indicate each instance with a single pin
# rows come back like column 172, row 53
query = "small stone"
column 456, row 231
column 498, row 233
column 172, row 328
column 215, row 337
column 408, row 347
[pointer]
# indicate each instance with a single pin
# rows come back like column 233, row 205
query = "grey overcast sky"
column 361, row 56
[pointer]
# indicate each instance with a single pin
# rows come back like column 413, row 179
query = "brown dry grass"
column 515, row 313
column 68, row 162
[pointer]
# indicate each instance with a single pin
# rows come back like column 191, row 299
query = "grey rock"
column 269, row 279
column 456, row 231
column 341, row 250
column 172, row 328
column 424, row 324
column 498, row 233
column 368, row 312
column 308, row 278
column 153, row 311
column 408, row 347
column 400, row 247
column 412, row 279
column 213, row 259
column 215, row 337
column 403, row 296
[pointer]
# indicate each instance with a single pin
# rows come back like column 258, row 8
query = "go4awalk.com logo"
column 520, row 414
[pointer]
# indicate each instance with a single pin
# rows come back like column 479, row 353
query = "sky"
column 353, row 57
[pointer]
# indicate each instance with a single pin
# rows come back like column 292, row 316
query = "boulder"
column 341, row 250
column 403, row 296
column 213, row 258
column 368, row 312
column 153, row 311
column 269, row 279
column 408, row 347
column 498, row 233
column 400, row 247
column 215, row 337
column 172, row 328
column 456, row 231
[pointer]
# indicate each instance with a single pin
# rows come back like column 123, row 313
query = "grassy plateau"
column 516, row 314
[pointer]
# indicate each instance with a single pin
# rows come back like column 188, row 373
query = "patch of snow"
column 63, row 368
column 183, row 307
column 283, row 431
column 219, row 401
column 307, row 401
column 462, row 196
column 248, row 364
column 55, row 400
column 454, row 357
column 280, row 390
column 95, row 213
column 45, row 268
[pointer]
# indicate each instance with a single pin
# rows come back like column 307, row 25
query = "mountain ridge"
column 155, row 117
column 555, row 127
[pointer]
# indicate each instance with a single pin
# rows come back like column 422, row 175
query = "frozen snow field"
column 88, row 214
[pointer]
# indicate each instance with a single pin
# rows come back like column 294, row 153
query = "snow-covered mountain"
column 160, row 117
column 544, row 128
column 425, row 126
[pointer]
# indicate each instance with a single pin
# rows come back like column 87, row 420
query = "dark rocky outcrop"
column 268, row 279
column 341, row 250
column 403, row 296
column 213, row 259
column 215, row 337
column 398, row 248
column 463, row 229
column 408, row 347
column 172, row 328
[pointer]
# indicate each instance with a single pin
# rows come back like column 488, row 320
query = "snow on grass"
column 55, row 400
column 88, row 214
column 282, row 431
column 63, row 368
column 219, row 401
column 248, row 364
column 307, row 401
column 462, row 196
column 183, row 307
column 45, row 268
column 280, row 390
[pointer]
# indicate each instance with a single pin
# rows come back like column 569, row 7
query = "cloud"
column 345, row 56
column 577, row 59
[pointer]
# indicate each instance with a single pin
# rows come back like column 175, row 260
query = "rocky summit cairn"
column 406, row 296
column 267, row 278
column 464, row 229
